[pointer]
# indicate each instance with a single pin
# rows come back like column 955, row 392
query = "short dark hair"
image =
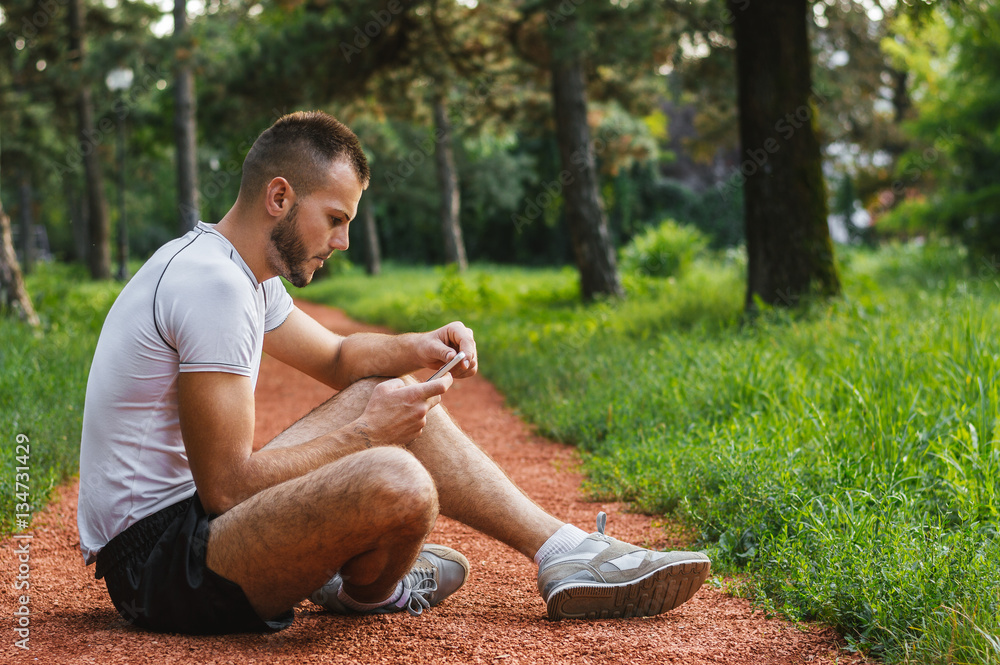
column 299, row 147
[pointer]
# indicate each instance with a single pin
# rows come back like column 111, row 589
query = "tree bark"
column 13, row 295
column 447, row 175
column 788, row 238
column 99, row 225
column 588, row 224
column 185, row 125
column 373, row 251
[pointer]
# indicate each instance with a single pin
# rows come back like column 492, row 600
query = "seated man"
column 195, row 531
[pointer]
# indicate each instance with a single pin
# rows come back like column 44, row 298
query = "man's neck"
column 249, row 239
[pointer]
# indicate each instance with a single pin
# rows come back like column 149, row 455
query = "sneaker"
column 437, row 573
column 604, row 578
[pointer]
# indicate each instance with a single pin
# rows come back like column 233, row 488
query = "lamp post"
column 118, row 81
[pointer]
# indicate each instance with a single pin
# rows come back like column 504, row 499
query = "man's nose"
column 339, row 240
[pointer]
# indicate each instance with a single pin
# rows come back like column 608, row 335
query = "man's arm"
column 340, row 361
column 217, row 423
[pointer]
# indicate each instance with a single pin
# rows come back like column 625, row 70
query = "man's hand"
column 439, row 346
column 397, row 413
column 340, row 361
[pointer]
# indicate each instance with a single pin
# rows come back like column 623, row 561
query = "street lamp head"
column 119, row 79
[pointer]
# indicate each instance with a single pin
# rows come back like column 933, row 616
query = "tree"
column 185, row 125
column 373, row 251
column 420, row 88
column 588, row 224
column 448, row 183
column 13, row 295
column 99, row 224
column 26, row 196
column 788, row 240
column 955, row 163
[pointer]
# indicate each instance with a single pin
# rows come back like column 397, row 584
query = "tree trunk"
column 185, row 127
column 27, row 231
column 901, row 101
column 788, row 238
column 77, row 217
column 13, row 295
column 454, row 246
column 122, row 273
column 99, row 225
column 588, row 225
column 373, row 251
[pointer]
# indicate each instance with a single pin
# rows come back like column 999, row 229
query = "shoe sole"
column 659, row 591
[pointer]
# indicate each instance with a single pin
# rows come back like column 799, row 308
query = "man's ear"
column 279, row 197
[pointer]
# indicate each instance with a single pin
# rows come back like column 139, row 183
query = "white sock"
column 563, row 540
column 361, row 607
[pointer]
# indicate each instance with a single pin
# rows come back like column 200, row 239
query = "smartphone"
column 451, row 363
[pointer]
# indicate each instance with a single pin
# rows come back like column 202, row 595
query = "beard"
column 287, row 254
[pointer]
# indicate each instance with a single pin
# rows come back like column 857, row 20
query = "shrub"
column 664, row 251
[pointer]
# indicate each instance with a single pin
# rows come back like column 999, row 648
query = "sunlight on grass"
column 843, row 459
column 846, row 455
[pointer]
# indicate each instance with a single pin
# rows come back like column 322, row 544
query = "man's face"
column 315, row 226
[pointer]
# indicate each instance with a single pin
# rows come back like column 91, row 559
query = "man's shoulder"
column 201, row 263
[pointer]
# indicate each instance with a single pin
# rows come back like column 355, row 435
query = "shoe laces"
column 418, row 585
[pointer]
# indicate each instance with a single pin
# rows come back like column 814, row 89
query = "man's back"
column 194, row 306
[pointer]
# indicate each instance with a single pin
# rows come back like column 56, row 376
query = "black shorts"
column 158, row 579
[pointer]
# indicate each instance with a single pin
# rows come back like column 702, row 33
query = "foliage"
column 43, row 379
column 663, row 251
column 955, row 162
column 847, row 456
column 40, row 79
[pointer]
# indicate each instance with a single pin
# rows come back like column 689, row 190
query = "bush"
column 664, row 251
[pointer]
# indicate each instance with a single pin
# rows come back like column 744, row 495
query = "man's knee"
column 391, row 479
column 363, row 386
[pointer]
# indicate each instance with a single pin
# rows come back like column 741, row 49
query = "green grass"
column 845, row 457
column 43, row 380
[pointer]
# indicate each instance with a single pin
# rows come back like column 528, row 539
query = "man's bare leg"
column 471, row 487
column 367, row 514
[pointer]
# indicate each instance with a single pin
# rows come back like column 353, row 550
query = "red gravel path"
column 498, row 617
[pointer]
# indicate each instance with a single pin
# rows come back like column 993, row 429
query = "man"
column 195, row 531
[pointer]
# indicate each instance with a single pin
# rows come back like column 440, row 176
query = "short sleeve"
column 279, row 303
column 213, row 326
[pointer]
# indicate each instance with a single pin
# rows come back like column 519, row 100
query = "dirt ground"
column 498, row 617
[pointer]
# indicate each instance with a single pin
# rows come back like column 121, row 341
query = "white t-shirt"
column 195, row 306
